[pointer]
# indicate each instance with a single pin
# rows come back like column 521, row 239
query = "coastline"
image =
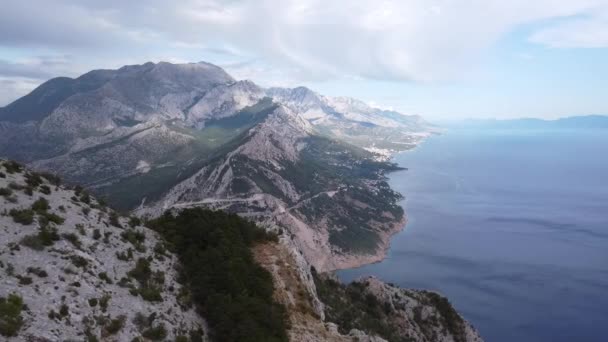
column 356, row 261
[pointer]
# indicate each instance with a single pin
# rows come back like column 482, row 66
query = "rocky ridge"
column 76, row 270
column 301, row 164
column 81, row 271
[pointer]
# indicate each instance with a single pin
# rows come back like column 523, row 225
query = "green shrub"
column 104, row 276
column 41, row 205
column 46, row 217
column 93, row 302
column 33, row 179
column 351, row 307
column 79, row 261
column 52, row 178
column 96, row 234
column 133, row 236
column 6, row 192
column 115, row 325
column 53, row 314
column 48, row 236
column 23, row 216
column 37, row 271
column 104, row 301
column 12, row 166
column 142, row 271
column 150, row 283
column 142, row 322
column 32, row 241
column 106, row 237
column 10, row 315
column 113, row 217
column 45, row 189
column 64, row 310
column 159, row 248
column 15, row 186
column 150, row 293
column 157, row 333
column 78, row 190
column 24, row 280
column 229, row 288
column 134, row 221
column 73, row 239
column 125, row 256
column 90, row 336
column 85, row 198
column 80, row 229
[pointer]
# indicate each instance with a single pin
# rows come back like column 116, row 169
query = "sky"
column 442, row 59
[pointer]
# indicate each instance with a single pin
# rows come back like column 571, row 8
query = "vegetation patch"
column 41, row 205
column 229, row 289
column 73, row 239
column 10, row 315
column 114, row 325
column 150, row 283
column 113, row 217
column 45, row 237
column 6, row 192
column 37, row 271
column 22, row 216
column 155, row 333
column 45, row 218
column 12, row 166
column 135, row 237
column 351, row 308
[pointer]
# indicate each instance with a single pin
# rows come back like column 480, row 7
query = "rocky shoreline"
column 354, row 261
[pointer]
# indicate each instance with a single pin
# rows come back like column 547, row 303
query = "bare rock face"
column 82, row 271
column 295, row 289
column 223, row 101
column 284, row 176
column 378, row 130
column 421, row 315
column 391, row 312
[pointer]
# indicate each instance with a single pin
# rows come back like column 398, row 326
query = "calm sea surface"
column 512, row 226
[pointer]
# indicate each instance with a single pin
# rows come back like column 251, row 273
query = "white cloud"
column 586, row 32
column 294, row 41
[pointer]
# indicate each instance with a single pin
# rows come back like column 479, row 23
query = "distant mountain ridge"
column 572, row 122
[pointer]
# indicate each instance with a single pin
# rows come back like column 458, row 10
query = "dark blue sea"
column 510, row 225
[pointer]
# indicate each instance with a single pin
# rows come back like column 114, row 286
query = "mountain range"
column 584, row 122
column 164, row 138
column 157, row 136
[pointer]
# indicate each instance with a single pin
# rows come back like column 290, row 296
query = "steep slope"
column 43, row 100
column 101, row 106
column 353, row 121
column 331, row 196
column 75, row 270
column 393, row 313
column 166, row 135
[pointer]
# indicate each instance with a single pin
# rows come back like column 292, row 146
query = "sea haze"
column 512, row 226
